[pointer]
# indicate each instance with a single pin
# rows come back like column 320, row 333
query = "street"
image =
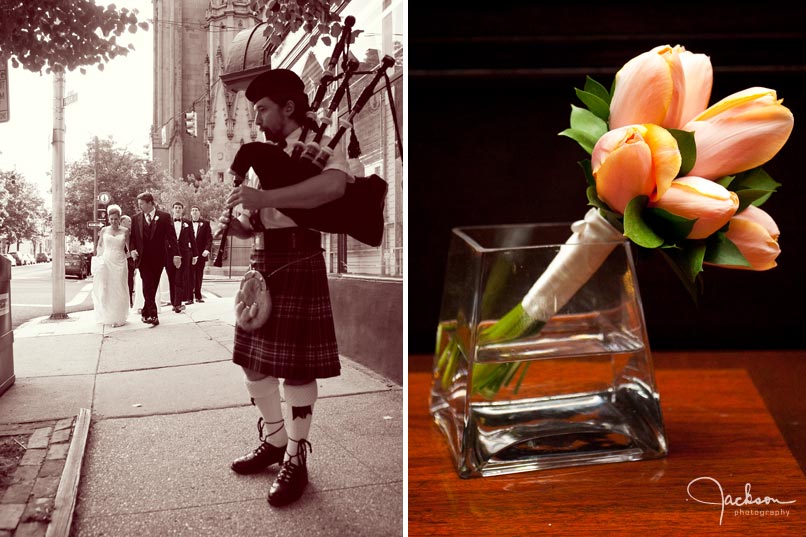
column 32, row 292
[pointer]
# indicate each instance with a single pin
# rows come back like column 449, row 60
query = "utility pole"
column 57, row 177
column 95, row 199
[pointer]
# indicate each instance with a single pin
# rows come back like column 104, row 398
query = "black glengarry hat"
column 278, row 85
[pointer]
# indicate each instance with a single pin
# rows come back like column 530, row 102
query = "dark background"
column 490, row 88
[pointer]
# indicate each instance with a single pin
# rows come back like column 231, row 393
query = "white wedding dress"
column 110, row 287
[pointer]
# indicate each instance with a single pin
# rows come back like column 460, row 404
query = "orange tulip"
column 755, row 233
column 711, row 204
column 740, row 132
column 636, row 160
column 667, row 86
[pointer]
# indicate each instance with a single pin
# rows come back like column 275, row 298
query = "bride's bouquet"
column 667, row 172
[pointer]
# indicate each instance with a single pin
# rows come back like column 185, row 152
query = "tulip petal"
column 672, row 118
column 666, row 159
column 711, row 204
column 699, row 78
column 740, row 132
column 760, row 217
column 622, row 168
column 757, row 246
column 666, row 86
column 643, row 90
column 746, row 96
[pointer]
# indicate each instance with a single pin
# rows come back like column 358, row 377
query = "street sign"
column 4, row 97
column 95, row 224
column 71, row 98
column 104, row 197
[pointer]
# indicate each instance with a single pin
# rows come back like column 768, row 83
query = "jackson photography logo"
column 709, row 491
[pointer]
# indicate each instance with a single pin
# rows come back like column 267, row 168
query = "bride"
column 110, row 287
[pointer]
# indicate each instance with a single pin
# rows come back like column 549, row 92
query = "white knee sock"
column 300, row 400
column 265, row 394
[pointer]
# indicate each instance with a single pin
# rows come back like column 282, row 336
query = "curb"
column 68, row 485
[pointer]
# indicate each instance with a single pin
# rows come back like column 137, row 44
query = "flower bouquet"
column 667, row 172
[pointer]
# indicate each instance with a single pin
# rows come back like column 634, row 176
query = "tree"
column 207, row 193
column 22, row 208
column 121, row 173
column 318, row 18
column 59, row 34
column 4, row 198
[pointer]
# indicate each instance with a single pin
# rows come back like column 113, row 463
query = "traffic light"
column 190, row 123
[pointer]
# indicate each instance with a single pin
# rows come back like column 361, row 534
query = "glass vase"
column 576, row 388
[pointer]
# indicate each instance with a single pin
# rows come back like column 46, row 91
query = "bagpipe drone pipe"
column 359, row 211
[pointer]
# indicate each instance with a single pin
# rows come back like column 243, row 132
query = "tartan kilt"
column 299, row 340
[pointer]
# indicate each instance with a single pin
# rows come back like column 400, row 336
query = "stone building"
column 191, row 40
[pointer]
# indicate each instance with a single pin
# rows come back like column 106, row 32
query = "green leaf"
column 586, row 169
column 726, row 181
column 586, row 120
column 686, row 263
column 593, row 198
column 688, row 150
column 722, row 251
column 586, row 128
column 585, row 140
column 595, row 104
column 752, row 197
column 613, row 218
column 635, row 228
column 674, row 229
column 592, row 86
column 753, row 186
column 757, row 179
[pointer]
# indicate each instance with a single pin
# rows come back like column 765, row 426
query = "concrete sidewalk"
column 169, row 412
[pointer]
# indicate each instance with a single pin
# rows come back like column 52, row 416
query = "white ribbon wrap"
column 572, row 267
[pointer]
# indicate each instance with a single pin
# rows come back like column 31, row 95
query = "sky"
column 116, row 102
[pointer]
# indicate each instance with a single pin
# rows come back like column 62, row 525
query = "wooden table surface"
column 722, row 412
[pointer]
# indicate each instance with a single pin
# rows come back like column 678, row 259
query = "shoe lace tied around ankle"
column 289, row 467
column 261, row 424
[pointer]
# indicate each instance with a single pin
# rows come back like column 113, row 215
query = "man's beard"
column 271, row 137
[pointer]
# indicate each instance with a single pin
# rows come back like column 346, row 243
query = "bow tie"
column 177, row 219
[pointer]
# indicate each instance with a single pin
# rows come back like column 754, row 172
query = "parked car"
column 17, row 258
column 76, row 265
column 11, row 259
column 42, row 257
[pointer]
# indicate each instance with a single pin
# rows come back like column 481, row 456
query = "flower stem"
column 489, row 378
column 592, row 241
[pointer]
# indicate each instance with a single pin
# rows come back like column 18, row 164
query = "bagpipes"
column 359, row 212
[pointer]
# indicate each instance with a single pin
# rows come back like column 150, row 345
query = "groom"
column 151, row 239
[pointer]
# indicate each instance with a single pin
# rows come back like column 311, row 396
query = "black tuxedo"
column 179, row 279
column 152, row 242
column 204, row 241
column 131, row 266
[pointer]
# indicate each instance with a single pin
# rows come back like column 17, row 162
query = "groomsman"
column 179, row 279
column 203, row 235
